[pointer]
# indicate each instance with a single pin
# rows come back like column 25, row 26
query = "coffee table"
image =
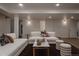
column 44, row 45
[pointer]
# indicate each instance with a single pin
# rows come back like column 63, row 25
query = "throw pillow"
column 9, row 39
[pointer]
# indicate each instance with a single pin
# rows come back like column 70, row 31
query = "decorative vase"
column 38, row 42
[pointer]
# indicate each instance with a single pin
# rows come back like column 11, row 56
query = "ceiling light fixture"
column 64, row 21
column 57, row 4
column 20, row 4
column 28, row 22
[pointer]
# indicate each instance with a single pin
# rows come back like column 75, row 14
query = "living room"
column 24, row 20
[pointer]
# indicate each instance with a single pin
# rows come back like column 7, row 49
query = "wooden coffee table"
column 44, row 45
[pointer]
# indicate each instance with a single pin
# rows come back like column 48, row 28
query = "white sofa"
column 13, row 49
column 37, row 35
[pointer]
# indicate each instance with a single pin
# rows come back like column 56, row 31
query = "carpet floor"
column 28, row 51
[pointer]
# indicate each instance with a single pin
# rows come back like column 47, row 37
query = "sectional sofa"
column 13, row 49
column 37, row 35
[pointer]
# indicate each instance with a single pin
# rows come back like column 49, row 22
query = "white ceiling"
column 54, row 16
column 42, row 10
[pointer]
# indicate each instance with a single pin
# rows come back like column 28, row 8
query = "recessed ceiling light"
column 20, row 4
column 50, row 17
column 57, row 4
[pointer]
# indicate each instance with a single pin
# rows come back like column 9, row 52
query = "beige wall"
column 4, row 24
column 34, row 27
column 52, row 25
column 70, row 30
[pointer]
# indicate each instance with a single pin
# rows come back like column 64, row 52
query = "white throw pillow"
column 13, row 35
column 51, row 34
column 35, row 34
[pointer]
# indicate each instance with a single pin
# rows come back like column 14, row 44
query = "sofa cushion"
column 50, row 38
column 51, row 34
column 35, row 34
column 9, row 39
column 13, row 35
column 38, row 34
column 35, row 38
